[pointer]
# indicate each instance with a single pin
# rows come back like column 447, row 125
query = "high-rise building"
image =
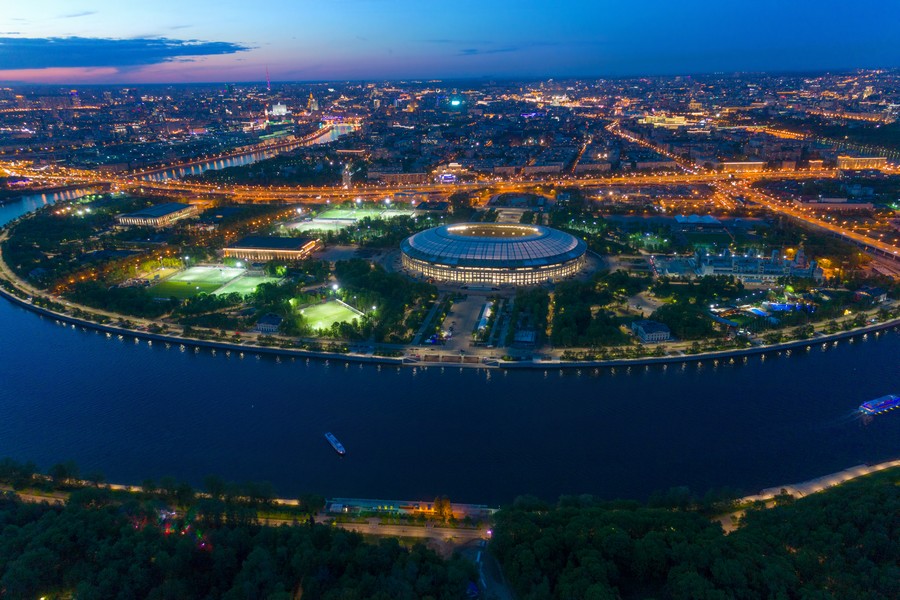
column 312, row 105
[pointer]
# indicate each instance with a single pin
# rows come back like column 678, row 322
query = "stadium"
column 493, row 253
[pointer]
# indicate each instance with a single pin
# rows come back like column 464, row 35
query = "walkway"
column 799, row 490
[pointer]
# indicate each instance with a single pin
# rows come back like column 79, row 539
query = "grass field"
column 390, row 213
column 316, row 225
column 335, row 219
column 182, row 289
column 244, row 285
column 217, row 275
column 322, row 316
column 194, row 280
column 350, row 213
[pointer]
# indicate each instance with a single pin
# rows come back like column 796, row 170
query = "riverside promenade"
column 23, row 294
column 799, row 490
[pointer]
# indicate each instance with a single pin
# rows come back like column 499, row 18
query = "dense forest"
column 168, row 541
column 843, row 543
column 96, row 548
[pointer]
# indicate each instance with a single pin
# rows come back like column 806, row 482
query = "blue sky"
column 76, row 41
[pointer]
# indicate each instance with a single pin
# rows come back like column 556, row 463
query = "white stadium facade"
column 493, row 254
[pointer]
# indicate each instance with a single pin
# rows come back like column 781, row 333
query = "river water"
column 246, row 159
column 134, row 411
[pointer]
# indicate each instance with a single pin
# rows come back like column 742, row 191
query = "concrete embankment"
column 198, row 343
column 467, row 361
column 819, row 484
column 725, row 355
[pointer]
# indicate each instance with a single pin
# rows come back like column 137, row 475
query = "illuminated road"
column 727, row 186
column 374, row 527
column 65, row 176
column 805, row 215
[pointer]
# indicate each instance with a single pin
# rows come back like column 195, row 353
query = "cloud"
column 480, row 51
column 68, row 52
column 83, row 13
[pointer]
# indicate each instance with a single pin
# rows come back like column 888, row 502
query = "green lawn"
column 351, row 213
column 244, row 285
column 182, row 289
column 390, row 213
column 338, row 213
column 194, row 280
column 322, row 316
column 217, row 275
column 316, row 225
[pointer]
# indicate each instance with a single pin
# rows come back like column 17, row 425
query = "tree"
column 63, row 473
column 442, row 508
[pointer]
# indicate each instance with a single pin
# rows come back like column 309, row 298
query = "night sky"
column 66, row 41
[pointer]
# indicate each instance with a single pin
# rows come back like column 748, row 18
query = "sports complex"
column 493, row 253
column 210, row 280
column 335, row 219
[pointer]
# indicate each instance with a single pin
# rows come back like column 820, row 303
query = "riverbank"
column 801, row 490
column 26, row 301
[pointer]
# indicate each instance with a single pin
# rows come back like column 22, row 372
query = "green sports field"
column 182, row 289
column 350, row 213
column 244, row 285
column 316, row 225
column 322, row 316
column 217, row 275
column 390, row 213
column 194, row 280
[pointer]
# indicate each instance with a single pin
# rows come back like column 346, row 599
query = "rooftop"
column 266, row 242
column 493, row 245
column 159, row 210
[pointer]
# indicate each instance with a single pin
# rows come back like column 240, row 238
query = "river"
column 240, row 160
column 134, row 411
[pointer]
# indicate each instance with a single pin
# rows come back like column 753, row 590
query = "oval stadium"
column 493, row 253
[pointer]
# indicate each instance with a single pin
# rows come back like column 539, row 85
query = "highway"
column 805, row 215
column 727, row 186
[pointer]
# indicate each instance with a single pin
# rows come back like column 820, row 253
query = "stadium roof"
column 159, row 210
column 266, row 242
column 493, row 245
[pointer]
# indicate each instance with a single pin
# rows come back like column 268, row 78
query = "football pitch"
column 243, row 285
column 217, row 275
column 350, row 213
column 182, row 289
column 195, row 280
column 316, row 225
column 335, row 219
column 322, row 316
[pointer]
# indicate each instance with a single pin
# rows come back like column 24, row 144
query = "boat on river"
column 335, row 443
column 880, row 405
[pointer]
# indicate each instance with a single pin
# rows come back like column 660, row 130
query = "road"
column 456, row 535
column 806, row 215
column 727, row 187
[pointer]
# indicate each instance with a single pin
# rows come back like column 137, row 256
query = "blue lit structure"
column 880, row 405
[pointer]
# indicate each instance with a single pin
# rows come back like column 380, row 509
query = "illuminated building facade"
column 160, row 215
column 266, row 248
column 493, row 254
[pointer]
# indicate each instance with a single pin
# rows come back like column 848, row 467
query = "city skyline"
column 101, row 42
